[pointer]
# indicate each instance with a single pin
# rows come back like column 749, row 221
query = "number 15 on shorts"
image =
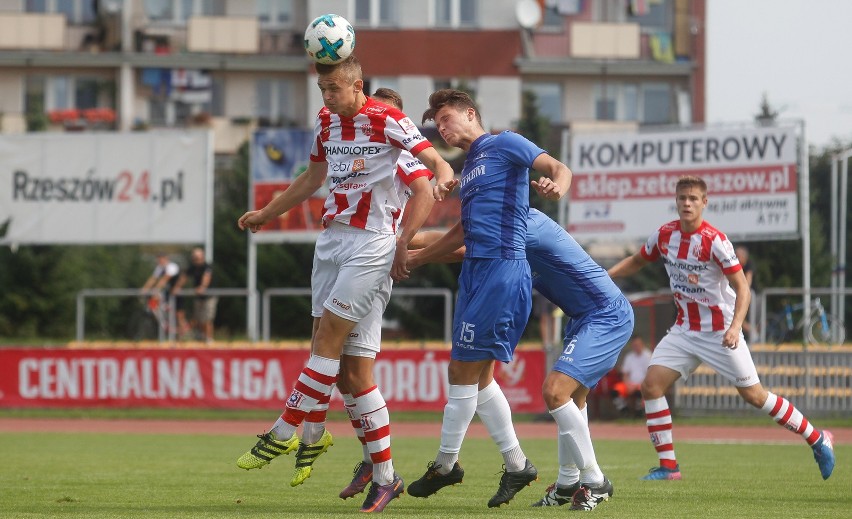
column 467, row 332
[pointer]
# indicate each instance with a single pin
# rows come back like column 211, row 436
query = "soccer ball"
column 329, row 39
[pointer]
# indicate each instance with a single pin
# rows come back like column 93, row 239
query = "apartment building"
column 234, row 65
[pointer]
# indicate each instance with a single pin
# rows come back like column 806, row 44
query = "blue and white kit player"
column 600, row 324
column 494, row 294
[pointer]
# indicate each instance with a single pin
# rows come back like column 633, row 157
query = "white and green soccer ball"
column 329, row 39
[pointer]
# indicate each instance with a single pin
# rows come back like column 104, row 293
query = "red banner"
column 410, row 380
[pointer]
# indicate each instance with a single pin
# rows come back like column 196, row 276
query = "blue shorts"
column 593, row 342
column 493, row 306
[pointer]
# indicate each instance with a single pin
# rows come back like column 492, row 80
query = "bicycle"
column 819, row 326
column 151, row 321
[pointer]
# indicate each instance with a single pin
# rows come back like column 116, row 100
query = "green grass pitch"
column 52, row 474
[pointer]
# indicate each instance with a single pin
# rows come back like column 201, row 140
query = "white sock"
column 575, row 439
column 459, row 411
column 494, row 411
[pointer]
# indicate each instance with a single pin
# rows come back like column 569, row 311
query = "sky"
column 795, row 51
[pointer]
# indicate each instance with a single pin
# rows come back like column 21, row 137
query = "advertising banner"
column 624, row 185
column 109, row 188
column 413, row 380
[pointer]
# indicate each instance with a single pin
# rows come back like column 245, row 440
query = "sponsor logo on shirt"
column 352, row 150
column 367, row 129
column 413, row 138
column 375, row 110
column 358, row 165
column 686, row 266
column 341, row 304
column 481, row 156
column 693, row 278
column 478, row 171
column 408, row 125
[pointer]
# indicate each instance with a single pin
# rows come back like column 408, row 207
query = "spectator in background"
column 163, row 279
column 633, row 369
column 748, row 271
column 203, row 306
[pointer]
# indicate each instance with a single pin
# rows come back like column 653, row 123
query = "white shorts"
column 683, row 351
column 365, row 340
column 351, row 267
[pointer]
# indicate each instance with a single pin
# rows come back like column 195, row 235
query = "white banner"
column 624, row 185
column 106, row 188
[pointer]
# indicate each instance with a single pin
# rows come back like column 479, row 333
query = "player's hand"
column 252, row 221
column 440, row 191
column 731, row 339
column 547, row 188
column 399, row 269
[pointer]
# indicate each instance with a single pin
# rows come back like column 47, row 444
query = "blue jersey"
column 563, row 272
column 495, row 195
column 601, row 317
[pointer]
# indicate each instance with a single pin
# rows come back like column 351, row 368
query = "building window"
column 64, row 92
column 275, row 12
column 656, row 103
column 273, row 102
column 456, row 13
column 78, row 12
column 654, row 16
column 606, row 101
column 375, row 13
column 647, row 103
column 374, row 83
column 549, row 99
column 168, row 11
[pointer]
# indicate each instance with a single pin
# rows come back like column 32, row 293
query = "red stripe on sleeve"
column 422, row 145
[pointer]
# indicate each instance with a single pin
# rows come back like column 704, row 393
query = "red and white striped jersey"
column 697, row 264
column 362, row 154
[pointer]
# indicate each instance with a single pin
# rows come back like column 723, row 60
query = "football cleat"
column 662, row 473
column 556, row 496
column 380, row 495
column 589, row 496
column 307, row 455
column 362, row 475
column 265, row 450
column 824, row 453
column 433, row 481
column 513, row 482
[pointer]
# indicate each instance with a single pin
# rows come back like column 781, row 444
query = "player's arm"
column 303, row 187
column 740, row 285
column 444, row 175
column 206, row 278
column 557, row 179
column 149, row 283
column 628, row 266
column 424, row 238
column 416, row 211
column 447, row 245
column 181, row 281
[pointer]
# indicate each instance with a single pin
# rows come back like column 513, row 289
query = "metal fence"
column 818, row 380
column 167, row 332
